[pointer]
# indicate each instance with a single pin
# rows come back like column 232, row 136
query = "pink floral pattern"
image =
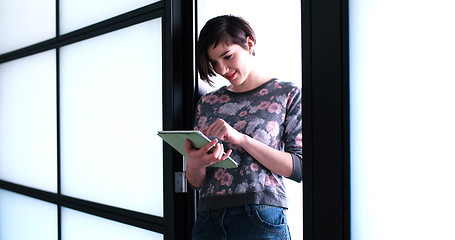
column 271, row 114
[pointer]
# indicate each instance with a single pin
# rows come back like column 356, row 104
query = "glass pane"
column 75, row 14
column 28, row 125
column 26, row 218
column 24, row 22
column 78, row 225
column 276, row 40
column 402, row 119
column 111, row 110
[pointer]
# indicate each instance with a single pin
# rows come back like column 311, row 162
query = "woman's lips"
column 230, row 77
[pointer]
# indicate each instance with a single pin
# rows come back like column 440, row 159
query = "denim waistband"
column 236, row 210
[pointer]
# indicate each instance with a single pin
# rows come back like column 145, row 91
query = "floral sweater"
column 270, row 113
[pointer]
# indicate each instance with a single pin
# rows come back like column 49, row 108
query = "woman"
column 257, row 119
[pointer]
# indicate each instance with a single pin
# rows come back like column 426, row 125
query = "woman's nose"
column 221, row 68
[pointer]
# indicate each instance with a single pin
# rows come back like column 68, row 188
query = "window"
column 81, row 100
column 28, row 119
column 24, row 217
column 402, row 116
column 24, row 32
column 110, row 111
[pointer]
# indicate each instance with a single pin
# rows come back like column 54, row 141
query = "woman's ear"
column 250, row 44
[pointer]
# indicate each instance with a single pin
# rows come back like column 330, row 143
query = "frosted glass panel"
column 24, row 22
column 402, row 119
column 26, row 218
column 276, row 40
column 78, row 225
column 28, row 125
column 75, row 14
column 111, row 110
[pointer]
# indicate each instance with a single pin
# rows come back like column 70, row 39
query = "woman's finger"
column 209, row 145
column 225, row 156
column 218, row 151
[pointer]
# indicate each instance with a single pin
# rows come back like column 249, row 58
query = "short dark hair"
column 227, row 29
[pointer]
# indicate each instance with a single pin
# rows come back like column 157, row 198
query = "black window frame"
column 325, row 83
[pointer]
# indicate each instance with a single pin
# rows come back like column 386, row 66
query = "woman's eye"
column 228, row 57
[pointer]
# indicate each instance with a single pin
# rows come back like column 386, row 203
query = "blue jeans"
column 247, row 222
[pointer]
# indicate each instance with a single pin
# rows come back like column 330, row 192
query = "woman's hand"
column 223, row 131
column 277, row 161
column 199, row 159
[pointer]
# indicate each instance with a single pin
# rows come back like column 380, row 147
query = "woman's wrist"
column 243, row 140
column 195, row 170
column 195, row 176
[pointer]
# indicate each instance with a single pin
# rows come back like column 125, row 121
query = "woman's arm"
column 275, row 160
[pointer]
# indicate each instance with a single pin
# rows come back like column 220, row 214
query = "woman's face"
column 231, row 61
